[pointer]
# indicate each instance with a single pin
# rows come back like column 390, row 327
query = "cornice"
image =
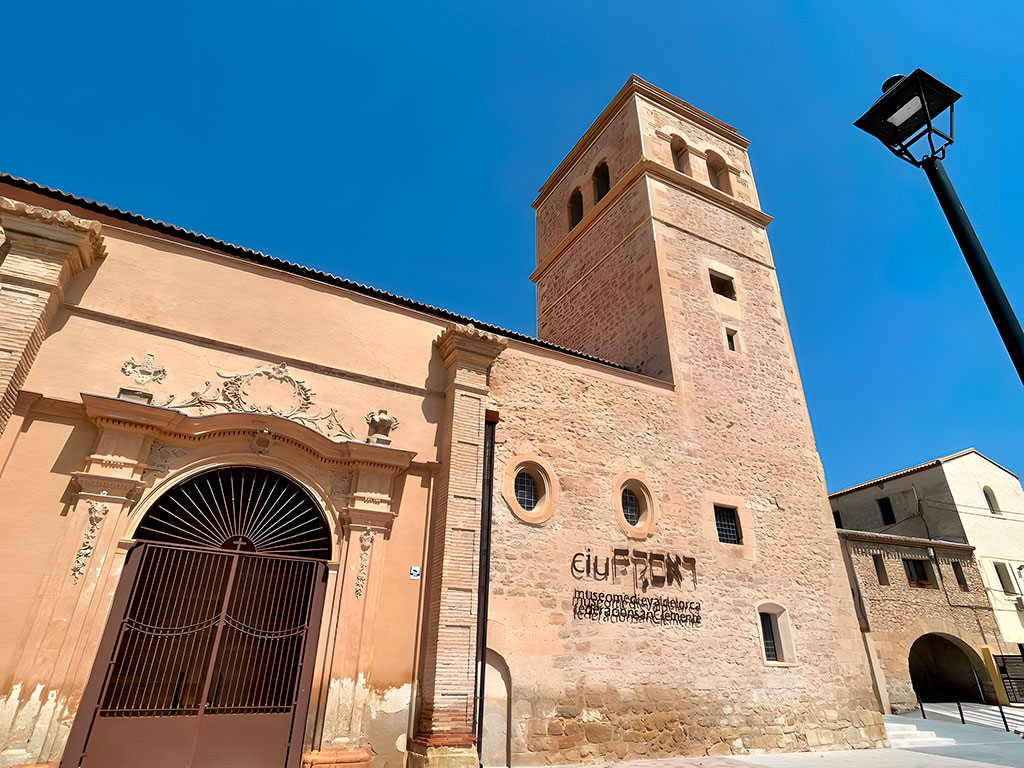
column 901, row 541
column 90, row 231
column 175, row 426
column 468, row 340
column 637, row 86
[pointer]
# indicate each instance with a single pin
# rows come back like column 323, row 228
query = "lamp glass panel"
column 905, row 112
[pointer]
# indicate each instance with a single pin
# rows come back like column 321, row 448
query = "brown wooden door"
column 209, row 666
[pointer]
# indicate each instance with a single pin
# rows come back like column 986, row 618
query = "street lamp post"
column 904, row 120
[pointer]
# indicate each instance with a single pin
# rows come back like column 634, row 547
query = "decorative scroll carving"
column 380, row 426
column 97, row 512
column 145, row 371
column 272, row 391
column 161, row 456
column 365, row 542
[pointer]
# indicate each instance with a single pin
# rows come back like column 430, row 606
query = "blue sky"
column 378, row 141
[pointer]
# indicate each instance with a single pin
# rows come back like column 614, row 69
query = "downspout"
column 484, row 582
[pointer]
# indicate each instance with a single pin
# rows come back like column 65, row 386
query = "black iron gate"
column 1011, row 668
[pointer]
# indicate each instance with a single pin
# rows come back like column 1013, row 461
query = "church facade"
column 372, row 532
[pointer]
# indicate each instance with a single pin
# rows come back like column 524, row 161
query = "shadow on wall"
column 943, row 668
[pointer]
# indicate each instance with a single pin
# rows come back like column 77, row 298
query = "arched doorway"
column 209, row 649
column 943, row 669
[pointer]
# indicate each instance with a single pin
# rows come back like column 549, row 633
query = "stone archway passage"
column 942, row 671
column 209, row 651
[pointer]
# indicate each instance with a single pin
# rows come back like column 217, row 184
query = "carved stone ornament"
column 97, row 512
column 161, row 456
column 91, row 229
column 145, row 371
column 341, row 484
column 365, row 542
column 380, row 426
column 270, row 390
column 260, row 442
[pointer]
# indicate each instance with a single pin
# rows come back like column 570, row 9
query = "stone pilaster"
column 44, row 249
column 445, row 731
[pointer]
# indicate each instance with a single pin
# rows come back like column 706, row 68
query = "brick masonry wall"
column 586, row 690
column 898, row 614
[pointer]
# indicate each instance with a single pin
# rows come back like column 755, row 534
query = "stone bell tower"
column 651, row 245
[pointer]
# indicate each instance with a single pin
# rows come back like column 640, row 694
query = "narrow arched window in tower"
column 680, row 156
column 718, row 173
column 990, row 499
column 575, row 208
column 602, row 182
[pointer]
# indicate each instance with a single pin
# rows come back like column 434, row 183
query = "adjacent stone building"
column 374, row 532
column 965, row 498
column 925, row 617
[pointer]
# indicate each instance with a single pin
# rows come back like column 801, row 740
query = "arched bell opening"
column 208, row 654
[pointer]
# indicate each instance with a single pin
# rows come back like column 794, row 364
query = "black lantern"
column 910, row 110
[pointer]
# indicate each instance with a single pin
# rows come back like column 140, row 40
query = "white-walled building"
column 965, row 498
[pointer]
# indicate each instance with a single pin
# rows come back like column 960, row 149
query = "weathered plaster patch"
column 348, row 701
column 24, row 724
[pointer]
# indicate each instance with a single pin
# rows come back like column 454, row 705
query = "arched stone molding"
column 894, row 655
column 141, row 451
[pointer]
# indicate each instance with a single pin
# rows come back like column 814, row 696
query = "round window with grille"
column 246, row 509
column 530, row 488
column 630, row 507
column 633, row 505
column 527, row 492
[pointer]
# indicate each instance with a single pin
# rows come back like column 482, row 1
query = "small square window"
column 838, row 518
column 883, row 577
column 961, row 579
column 917, row 573
column 723, row 285
column 728, row 525
column 732, row 340
column 885, row 507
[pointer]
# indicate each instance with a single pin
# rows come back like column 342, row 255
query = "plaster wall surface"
column 997, row 537
column 200, row 318
column 921, row 502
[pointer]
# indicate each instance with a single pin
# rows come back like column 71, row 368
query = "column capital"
column 467, row 344
column 83, row 235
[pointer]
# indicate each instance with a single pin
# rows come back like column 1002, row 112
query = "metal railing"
column 960, row 709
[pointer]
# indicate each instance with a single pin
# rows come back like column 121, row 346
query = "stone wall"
column 594, row 690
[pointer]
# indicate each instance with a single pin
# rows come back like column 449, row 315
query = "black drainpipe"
column 484, row 585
